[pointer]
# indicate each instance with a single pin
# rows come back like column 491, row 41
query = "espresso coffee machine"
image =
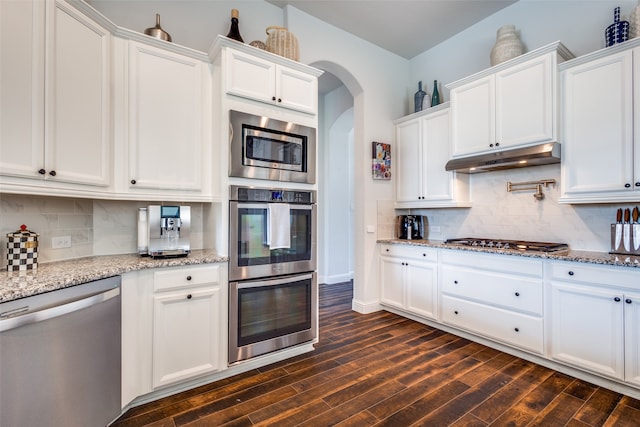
column 163, row 231
column 410, row 227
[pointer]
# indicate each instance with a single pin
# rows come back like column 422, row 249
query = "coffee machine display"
column 410, row 227
column 163, row 231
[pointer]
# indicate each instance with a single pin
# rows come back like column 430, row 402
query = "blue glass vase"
column 418, row 98
column 617, row 32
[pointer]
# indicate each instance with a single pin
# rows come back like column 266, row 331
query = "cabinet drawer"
column 511, row 328
column 410, row 251
column 602, row 275
column 503, row 263
column 509, row 291
column 188, row 276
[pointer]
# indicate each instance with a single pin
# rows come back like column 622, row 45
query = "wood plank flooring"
column 381, row 369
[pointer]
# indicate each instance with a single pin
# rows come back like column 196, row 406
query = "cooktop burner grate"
column 520, row 245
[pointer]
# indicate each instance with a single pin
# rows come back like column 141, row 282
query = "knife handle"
column 619, row 215
column 627, row 216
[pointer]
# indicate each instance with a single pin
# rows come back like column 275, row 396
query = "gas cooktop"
column 520, row 245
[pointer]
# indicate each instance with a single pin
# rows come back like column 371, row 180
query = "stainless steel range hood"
column 543, row 154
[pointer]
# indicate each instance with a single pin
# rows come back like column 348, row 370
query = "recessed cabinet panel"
column 165, row 120
column 250, row 77
column 407, row 172
column 473, row 116
column 632, row 338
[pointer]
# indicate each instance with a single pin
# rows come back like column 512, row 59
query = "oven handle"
column 273, row 282
column 263, row 205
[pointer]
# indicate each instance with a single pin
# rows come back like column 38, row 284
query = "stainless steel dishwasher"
column 60, row 357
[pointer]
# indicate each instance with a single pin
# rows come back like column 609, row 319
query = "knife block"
column 620, row 249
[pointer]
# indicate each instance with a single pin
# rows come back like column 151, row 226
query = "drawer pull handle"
column 517, row 294
column 617, row 299
column 571, row 273
column 189, row 296
column 517, row 329
column 188, row 277
column 628, row 301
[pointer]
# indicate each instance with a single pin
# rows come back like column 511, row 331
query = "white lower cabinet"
column 174, row 327
column 499, row 297
column 595, row 320
column 409, row 279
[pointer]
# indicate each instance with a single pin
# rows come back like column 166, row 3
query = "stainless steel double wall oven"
column 273, row 291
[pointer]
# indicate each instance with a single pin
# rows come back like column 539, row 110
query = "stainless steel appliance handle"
column 268, row 282
column 263, row 205
column 9, row 320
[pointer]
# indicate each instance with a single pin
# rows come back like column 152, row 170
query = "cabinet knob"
column 571, row 273
column 627, row 185
column 133, row 181
column 517, row 329
column 189, row 296
column 42, row 171
column 638, row 184
column 387, row 249
column 424, row 254
column 497, row 144
column 617, row 299
column 273, row 98
column 456, row 312
column 455, row 282
column 628, row 301
column 188, row 277
column 491, row 145
column 279, row 100
column 52, row 173
column 517, row 294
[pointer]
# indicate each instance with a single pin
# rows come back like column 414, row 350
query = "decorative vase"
column 418, row 98
column 634, row 22
column 617, row 32
column 508, row 45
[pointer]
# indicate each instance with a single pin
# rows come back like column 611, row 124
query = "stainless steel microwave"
column 265, row 148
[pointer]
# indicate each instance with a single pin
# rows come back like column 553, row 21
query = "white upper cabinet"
column 422, row 150
column 56, row 99
column 262, row 76
column 601, row 150
column 511, row 104
column 168, row 107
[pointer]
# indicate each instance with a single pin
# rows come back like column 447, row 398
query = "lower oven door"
column 250, row 256
column 271, row 314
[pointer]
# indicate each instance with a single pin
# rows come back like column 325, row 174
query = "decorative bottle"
column 435, row 95
column 508, row 45
column 634, row 22
column 418, row 98
column 234, row 31
column 617, row 32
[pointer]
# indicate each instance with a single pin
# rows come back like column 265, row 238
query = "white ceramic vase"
column 508, row 45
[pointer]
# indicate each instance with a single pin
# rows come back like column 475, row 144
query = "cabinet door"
column 185, row 334
column 250, row 77
column 165, row 120
column 408, row 155
column 22, row 55
column 598, row 134
column 587, row 328
column 78, row 108
column 296, row 90
column 473, row 116
column 437, row 183
column 392, row 279
column 421, row 282
column 525, row 102
column 632, row 338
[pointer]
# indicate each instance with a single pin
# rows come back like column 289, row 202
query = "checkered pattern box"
column 22, row 250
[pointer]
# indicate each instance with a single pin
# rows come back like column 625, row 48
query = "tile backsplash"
column 96, row 227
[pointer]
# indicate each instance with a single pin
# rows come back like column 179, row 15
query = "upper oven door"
column 265, row 148
column 249, row 254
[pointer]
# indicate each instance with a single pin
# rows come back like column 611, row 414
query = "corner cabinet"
column 511, row 104
column 422, row 150
column 56, row 100
column 165, row 101
column 409, row 279
column 595, row 320
column 601, row 144
column 258, row 75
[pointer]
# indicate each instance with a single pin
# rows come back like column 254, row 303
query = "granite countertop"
column 603, row 258
column 62, row 274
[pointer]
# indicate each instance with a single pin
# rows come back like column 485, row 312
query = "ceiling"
column 404, row 27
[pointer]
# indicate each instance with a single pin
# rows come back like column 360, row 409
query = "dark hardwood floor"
column 381, row 369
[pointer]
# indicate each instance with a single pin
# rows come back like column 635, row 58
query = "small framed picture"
column 381, row 160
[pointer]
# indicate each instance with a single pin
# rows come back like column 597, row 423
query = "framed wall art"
column 381, row 160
